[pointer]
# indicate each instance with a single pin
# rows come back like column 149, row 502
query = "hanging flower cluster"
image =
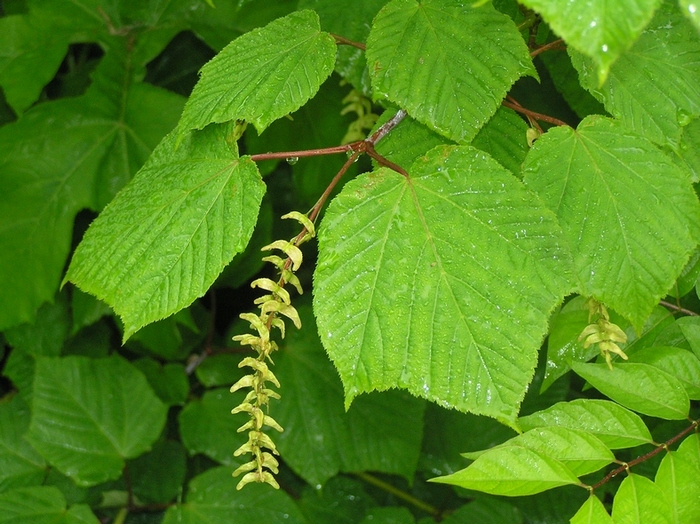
column 273, row 307
column 603, row 332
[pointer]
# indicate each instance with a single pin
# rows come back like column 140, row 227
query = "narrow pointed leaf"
column 678, row 477
column 441, row 283
column 639, row 501
column 262, row 75
column 654, row 88
column 592, row 512
column 89, row 415
column 511, row 471
column 600, row 29
column 165, row 238
column 600, row 180
column 616, row 426
column 680, row 363
column 581, row 452
column 640, row 387
column 435, row 59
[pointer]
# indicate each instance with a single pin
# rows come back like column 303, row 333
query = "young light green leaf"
column 581, row 452
column 435, row 59
column 680, row 363
column 212, row 498
column 90, row 414
column 678, row 477
column 599, row 179
column 600, row 29
column 165, row 238
column 688, row 154
column 640, row 387
column 453, row 318
column 512, row 471
column 616, row 426
column 690, row 329
column 592, row 512
column 42, row 505
column 639, row 501
column 20, row 464
column 262, row 75
column 654, row 88
column 380, row 432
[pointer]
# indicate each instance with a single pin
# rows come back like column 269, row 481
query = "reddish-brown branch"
column 537, row 116
column 345, row 41
column 678, row 308
column 646, row 456
column 557, row 44
column 307, row 152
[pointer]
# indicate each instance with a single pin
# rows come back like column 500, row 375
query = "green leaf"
column 212, row 498
column 485, row 511
column 599, row 180
column 353, row 23
column 88, row 415
column 435, row 59
column 342, row 500
column 654, row 88
column 640, row 501
column 690, row 10
column 578, row 450
column 403, row 298
column 20, row 464
column 592, row 512
column 61, row 157
column 688, row 154
column 617, row 427
column 219, row 370
column 680, row 363
column 641, row 387
column 600, row 29
column 388, row 515
column 690, row 328
column 678, row 477
column 512, row 471
column 207, row 426
column 41, row 505
column 169, row 381
column 165, row 238
column 157, row 476
column 504, row 138
column 262, row 75
column 380, row 432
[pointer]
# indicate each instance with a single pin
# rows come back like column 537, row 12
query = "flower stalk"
column 274, row 307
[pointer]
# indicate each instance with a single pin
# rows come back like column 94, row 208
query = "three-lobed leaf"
column 161, row 243
column 600, row 179
column 436, row 60
column 263, row 75
column 440, row 282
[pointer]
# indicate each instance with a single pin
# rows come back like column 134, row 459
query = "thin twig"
column 626, row 466
column 345, row 41
column 307, row 152
column 533, row 114
column 406, row 497
column 556, row 44
column 322, row 199
column 678, row 308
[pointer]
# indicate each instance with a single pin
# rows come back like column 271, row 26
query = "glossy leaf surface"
column 640, row 387
column 592, row 512
column 427, row 311
column 433, row 59
column 614, row 425
column 599, row 179
column 203, row 195
column 640, row 501
column 678, row 477
column 262, row 75
column 512, row 471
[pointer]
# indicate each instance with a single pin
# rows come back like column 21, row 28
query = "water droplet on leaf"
column 291, row 160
